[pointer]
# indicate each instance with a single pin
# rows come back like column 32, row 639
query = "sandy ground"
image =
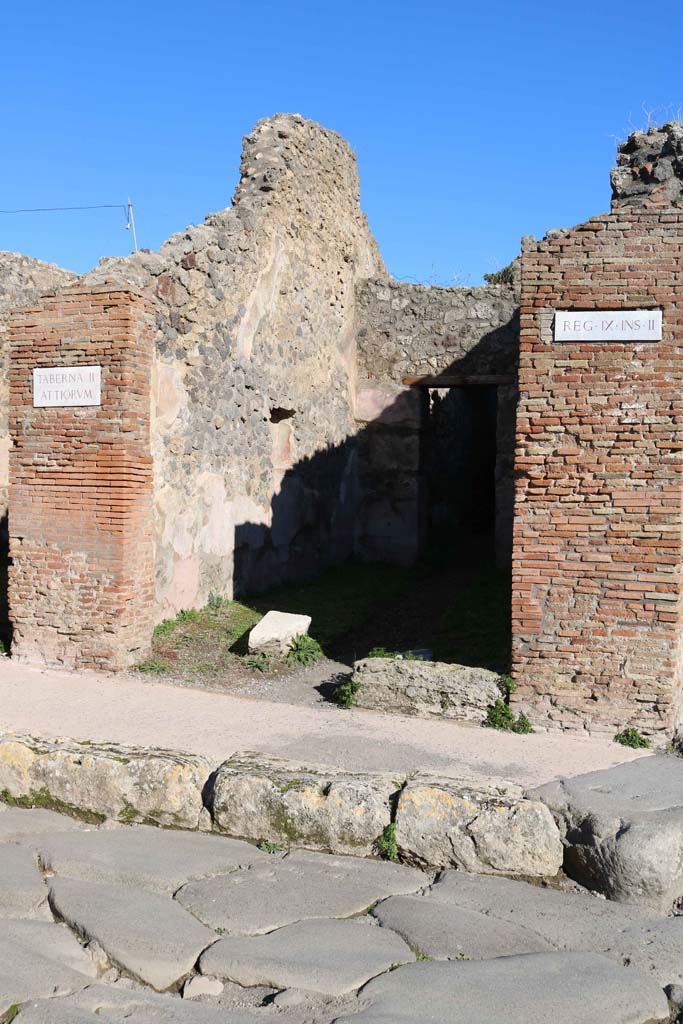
column 127, row 709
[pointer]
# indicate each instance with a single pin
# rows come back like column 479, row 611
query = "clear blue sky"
column 473, row 123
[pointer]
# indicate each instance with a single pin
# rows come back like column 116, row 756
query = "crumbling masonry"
column 264, row 399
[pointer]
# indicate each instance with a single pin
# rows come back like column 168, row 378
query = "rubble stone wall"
column 81, row 574
column 414, row 330
column 597, row 564
column 406, row 329
column 252, row 436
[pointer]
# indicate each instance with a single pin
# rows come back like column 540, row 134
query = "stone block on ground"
column 274, row 633
column 425, row 688
column 309, row 805
column 565, row 988
column 490, row 830
column 297, row 887
column 105, row 781
column 149, row 936
column 327, row 956
column 623, row 829
column 144, row 857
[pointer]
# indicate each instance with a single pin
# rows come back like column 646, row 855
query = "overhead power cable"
column 53, row 209
column 126, row 207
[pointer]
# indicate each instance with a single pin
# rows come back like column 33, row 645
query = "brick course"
column 598, row 504
column 81, row 578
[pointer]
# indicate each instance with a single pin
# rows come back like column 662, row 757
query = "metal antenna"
column 131, row 223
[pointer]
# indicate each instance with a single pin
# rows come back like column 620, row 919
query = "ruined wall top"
column 650, row 168
column 23, row 279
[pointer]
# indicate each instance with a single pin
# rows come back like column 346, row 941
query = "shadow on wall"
column 411, row 464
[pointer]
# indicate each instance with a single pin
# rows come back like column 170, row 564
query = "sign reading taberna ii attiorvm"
column 61, row 386
column 608, row 325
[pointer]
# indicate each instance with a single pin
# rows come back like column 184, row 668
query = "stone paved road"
column 108, row 924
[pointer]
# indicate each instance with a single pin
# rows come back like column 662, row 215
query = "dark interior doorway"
column 459, row 467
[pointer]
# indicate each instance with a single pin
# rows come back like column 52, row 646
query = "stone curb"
column 433, row 823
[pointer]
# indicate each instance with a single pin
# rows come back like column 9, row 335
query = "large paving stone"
column 568, row 921
column 150, row 936
column 106, row 781
column 298, row 887
column 332, row 957
column 655, row 949
column 449, row 932
column 18, row 823
column 285, row 802
column 565, row 988
column 23, row 892
column 27, row 973
column 150, row 858
column 425, row 688
column 492, row 830
column 53, row 941
column 104, row 1003
column 623, row 829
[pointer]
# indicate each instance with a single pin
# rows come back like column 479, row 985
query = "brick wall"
column 597, row 545
column 80, row 508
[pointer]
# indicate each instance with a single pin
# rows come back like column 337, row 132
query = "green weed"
column 304, row 650
column 501, row 716
column 345, row 693
column 259, row 662
column 386, row 845
column 631, row 737
column 267, row 847
column 154, row 665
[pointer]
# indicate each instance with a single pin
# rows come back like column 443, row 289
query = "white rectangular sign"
column 609, row 325
column 67, row 385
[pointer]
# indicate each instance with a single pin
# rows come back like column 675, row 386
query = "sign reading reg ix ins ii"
column 61, row 386
column 608, row 325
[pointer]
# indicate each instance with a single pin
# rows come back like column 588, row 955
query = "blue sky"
column 473, row 123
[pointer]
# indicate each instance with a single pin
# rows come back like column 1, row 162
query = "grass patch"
column 386, row 845
column 382, row 652
column 258, row 662
column 343, row 597
column 345, row 693
column 304, row 650
column 155, row 666
column 460, row 610
column 631, row 737
column 501, row 716
column 266, row 846
column 476, row 627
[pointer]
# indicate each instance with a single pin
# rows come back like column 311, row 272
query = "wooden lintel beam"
column 459, row 381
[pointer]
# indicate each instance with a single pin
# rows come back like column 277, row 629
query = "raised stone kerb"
column 105, row 781
column 308, row 805
column 489, row 830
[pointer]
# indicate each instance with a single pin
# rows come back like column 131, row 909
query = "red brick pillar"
column 80, row 495
column 597, row 581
